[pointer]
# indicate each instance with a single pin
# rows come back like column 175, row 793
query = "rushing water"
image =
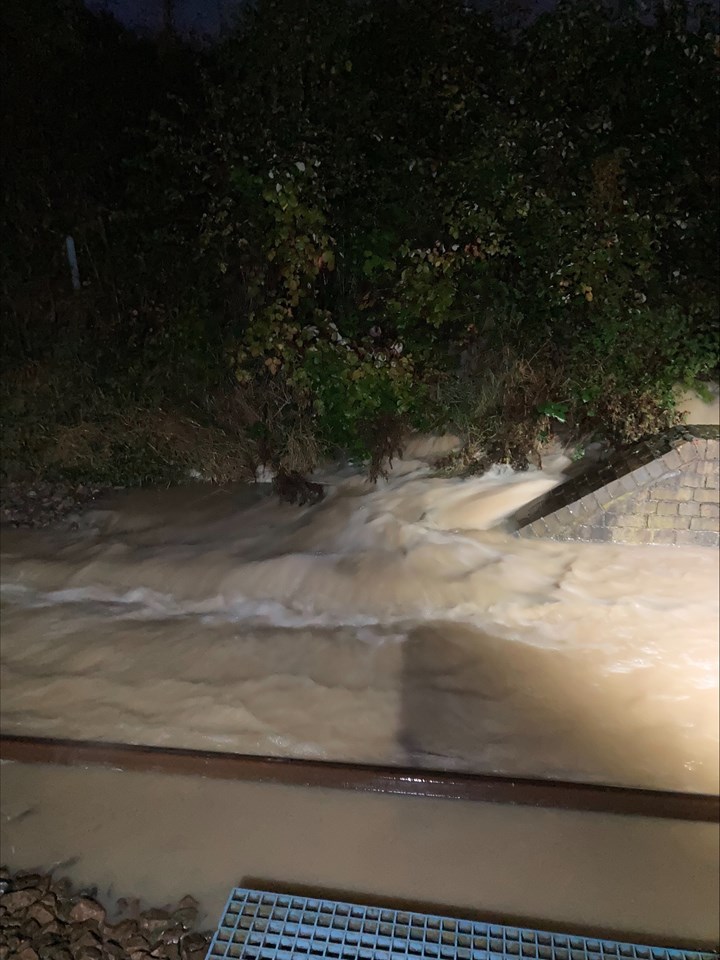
column 395, row 623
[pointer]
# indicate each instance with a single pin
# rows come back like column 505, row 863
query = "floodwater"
column 391, row 624
column 160, row 837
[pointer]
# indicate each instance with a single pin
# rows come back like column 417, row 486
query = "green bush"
column 352, row 218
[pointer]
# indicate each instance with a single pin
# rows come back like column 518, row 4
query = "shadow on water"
column 477, row 703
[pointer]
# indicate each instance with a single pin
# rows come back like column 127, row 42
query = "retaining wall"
column 665, row 491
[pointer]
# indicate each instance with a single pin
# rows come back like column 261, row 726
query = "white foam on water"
column 392, row 623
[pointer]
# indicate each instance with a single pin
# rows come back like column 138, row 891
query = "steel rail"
column 551, row 794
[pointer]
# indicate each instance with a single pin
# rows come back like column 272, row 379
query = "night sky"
column 191, row 16
column 207, row 17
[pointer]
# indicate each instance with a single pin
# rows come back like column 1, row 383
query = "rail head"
column 400, row 781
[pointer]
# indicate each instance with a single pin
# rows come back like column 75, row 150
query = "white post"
column 72, row 260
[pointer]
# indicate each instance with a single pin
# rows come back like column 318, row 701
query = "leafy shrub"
column 347, row 220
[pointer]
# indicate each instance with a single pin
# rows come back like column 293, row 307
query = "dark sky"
column 191, row 16
column 208, row 16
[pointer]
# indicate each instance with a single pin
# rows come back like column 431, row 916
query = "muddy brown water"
column 161, row 836
column 394, row 624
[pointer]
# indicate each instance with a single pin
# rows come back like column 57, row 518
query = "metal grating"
column 258, row 925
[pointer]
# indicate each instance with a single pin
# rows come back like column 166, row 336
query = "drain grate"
column 258, row 925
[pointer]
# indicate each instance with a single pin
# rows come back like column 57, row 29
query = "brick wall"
column 664, row 492
column 680, row 507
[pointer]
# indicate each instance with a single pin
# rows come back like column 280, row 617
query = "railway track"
column 554, row 794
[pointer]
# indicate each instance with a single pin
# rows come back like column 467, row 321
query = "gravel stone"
column 87, row 909
column 26, row 504
column 19, row 900
column 46, row 919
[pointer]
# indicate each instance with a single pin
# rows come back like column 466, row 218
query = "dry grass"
column 277, row 423
column 129, row 448
column 141, row 446
column 519, row 425
column 496, row 409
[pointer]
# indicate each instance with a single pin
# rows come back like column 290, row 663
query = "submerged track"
column 553, row 794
